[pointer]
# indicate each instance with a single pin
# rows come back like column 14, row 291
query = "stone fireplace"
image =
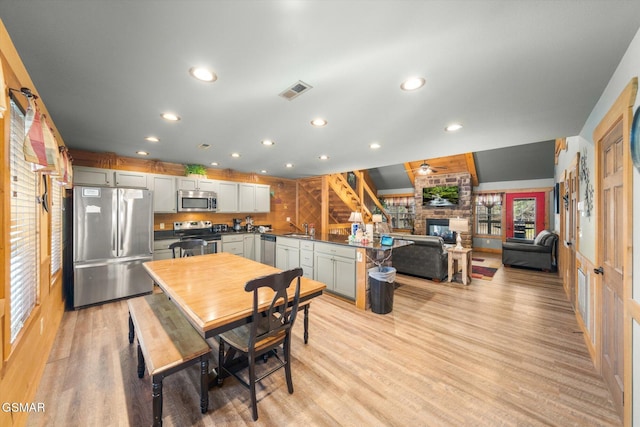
column 440, row 227
column 464, row 208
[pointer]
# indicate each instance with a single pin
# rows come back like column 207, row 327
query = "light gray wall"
column 516, row 185
column 628, row 68
column 487, row 243
column 396, row 191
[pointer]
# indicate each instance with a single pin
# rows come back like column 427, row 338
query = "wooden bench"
column 167, row 343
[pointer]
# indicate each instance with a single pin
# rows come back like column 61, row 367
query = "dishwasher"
column 268, row 249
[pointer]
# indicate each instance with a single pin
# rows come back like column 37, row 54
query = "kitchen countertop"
column 319, row 237
column 341, row 240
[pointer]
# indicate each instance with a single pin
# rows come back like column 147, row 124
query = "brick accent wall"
column 463, row 210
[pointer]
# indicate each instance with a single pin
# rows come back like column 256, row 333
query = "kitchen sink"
column 298, row 235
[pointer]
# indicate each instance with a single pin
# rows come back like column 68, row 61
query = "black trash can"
column 381, row 286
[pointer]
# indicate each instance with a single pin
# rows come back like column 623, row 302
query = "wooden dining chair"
column 267, row 331
column 188, row 248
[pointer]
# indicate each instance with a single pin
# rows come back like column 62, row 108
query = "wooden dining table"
column 209, row 289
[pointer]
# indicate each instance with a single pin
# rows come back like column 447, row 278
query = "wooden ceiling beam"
column 410, row 174
column 471, row 167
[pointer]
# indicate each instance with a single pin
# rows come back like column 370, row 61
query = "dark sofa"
column 427, row 257
column 539, row 253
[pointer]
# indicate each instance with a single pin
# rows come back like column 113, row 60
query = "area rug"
column 484, row 269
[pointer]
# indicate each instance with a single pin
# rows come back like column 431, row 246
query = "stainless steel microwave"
column 197, row 201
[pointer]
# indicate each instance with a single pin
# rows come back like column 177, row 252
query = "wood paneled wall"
column 22, row 363
column 283, row 191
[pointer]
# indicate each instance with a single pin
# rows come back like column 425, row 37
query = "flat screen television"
column 443, row 195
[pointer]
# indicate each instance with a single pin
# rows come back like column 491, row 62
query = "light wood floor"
column 506, row 352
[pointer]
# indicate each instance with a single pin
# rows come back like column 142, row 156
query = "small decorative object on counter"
column 312, row 229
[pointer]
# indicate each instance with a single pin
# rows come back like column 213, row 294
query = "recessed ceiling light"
column 318, row 122
column 214, row 163
column 203, row 74
column 289, row 165
column 374, row 145
column 412, row 83
column 323, row 157
column 142, row 153
column 263, row 171
column 204, row 146
column 453, row 127
column 170, row 117
column 267, row 142
column 236, row 155
column 152, row 139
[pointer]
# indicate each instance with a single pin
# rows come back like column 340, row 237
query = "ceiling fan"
column 426, row 169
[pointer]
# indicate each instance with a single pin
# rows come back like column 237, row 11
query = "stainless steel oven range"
column 189, row 230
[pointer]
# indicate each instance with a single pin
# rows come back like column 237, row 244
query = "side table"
column 460, row 258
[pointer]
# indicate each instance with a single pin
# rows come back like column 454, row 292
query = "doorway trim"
column 621, row 110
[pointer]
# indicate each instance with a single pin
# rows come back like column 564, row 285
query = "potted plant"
column 196, row 171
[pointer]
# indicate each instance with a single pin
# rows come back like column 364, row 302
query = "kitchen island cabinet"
column 342, row 265
column 335, row 266
column 306, row 258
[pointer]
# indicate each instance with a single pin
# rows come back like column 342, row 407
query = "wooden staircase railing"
column 336, row 198
column 352, row 199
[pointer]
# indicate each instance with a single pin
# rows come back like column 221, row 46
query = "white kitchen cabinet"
column 83, row 175
column 164, row 193
column 254, row 198
column 189, row 184
column 131, row 179
column 161, row 249
column 233, row 243
column 287, row 253
column 335, row 266
column 249, row 246
column 263, row 198
column 257, row 245
column 306, row 258
column 208, row 185
column 197, row 184
column 227, row 196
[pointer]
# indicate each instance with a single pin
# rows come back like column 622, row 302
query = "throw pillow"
column 547, row 240
column 540, row 236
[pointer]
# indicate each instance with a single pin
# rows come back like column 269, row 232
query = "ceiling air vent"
column 297, row 89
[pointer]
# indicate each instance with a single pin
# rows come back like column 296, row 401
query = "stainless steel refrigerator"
column 112, row 237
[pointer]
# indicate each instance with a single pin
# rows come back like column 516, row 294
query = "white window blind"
column 56, row 226
column 23, row 229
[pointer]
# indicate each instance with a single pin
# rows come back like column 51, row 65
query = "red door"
column 525, row 214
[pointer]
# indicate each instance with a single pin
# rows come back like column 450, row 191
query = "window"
column 489, row 220
column 489, row 214
column 56, row 226
column 23, row 228
column 525, row 214
column 524, row 218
